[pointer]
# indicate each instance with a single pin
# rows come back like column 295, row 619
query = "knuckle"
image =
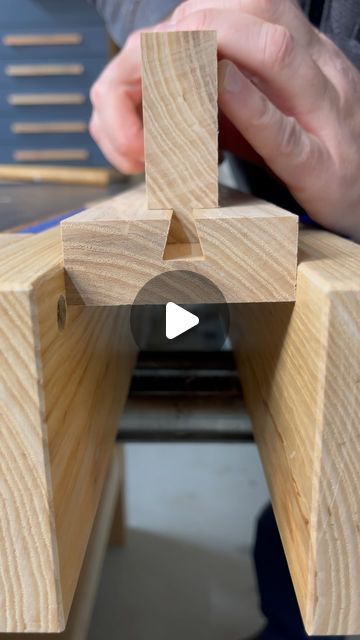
column 132, row 40
column 93, row 128
column 277, row 45
column 290, row 138
column 183, row 10
column 265, row 8
column 199, row 20
column 95, row 93
column 264, row 111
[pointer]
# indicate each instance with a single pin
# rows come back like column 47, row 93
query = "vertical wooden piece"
column 64, row 377
column 300, row 372
column 180, row 125
column 81, row 610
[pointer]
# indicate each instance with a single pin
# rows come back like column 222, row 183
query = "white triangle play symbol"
column 178, row 320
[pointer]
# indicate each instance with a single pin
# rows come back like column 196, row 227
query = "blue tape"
column 305, row 219
column 48, row 224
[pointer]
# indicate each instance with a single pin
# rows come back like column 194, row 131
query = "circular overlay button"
column 179, row 311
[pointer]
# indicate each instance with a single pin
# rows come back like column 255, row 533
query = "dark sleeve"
column 122, row 17
column 340, row 21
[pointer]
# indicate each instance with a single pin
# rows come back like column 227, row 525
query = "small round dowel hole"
column 61, row 313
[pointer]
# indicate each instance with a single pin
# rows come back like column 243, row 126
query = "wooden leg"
column 117, row 536
column 299, row 366
column 64, row 379
column 83, row 602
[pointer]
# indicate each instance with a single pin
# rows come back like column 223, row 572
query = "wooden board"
column 64, row 375
column 179, row 81
column 81, row 611
column 7, row 239
column 300, row 372
column 113, row 249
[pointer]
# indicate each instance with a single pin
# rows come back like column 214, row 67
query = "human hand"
column 293, row 96
column 116, row 122
column 290, row 93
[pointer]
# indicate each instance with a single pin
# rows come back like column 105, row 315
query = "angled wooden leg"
column 83, row 602
column 299, row 366
column 64, row 374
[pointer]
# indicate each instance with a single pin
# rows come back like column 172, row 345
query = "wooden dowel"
column 46, row 39
column 29, row 99
column 20, row 70
column 29, row 155
column 99, row 176
column 49, row 127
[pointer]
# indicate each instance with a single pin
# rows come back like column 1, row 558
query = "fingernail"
column 230, row 78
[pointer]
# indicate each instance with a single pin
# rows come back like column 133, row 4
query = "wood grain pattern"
column 30, row 99
column 40, row 155
column 63, row 388
column 179, row 77
column 61, row 175
column 65, row 69
column 300, row 371
column 41, row 39
column 80, row 615
column 249, row 250
column 7, row 239
column 76, row 126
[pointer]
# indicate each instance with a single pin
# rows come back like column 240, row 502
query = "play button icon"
column 179, row 310
column 178, row 320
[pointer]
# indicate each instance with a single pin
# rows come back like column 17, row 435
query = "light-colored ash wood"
column 300, row 372
column 113, row 249
column 49, row 127
column 61, row 175
column 38, row 155
column 41, row 39
column 246, row 247
column 179, row 79
column 64, row 376
column 65, row 69
column 83, row 602
column 7, row 239
column 29, row 99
